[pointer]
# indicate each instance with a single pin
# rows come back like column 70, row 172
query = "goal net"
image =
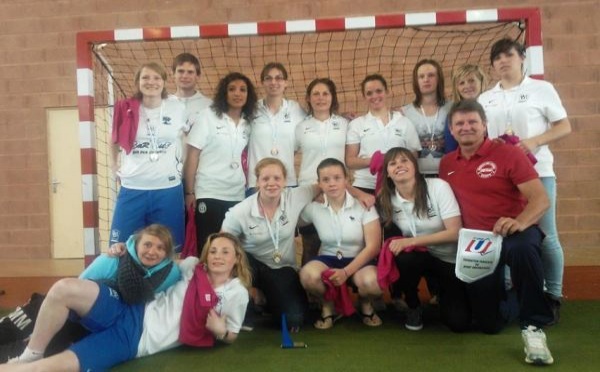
column 344, row 49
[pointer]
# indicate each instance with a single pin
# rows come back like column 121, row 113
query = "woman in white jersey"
column 377, row 131
column 428, row 215
column 321, row 135
column 214, row 177
column 266, row 222
column 428, row 113
column 208, row 304
column 274, row 127
column 532, row 110
column 147, row 158
column 350, row 241
column 468, row 81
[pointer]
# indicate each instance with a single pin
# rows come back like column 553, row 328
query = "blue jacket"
column 105, row 267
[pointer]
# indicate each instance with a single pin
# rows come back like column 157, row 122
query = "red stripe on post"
column 88, row 161
column 271, row 28
column 390, row 21
column 84, row 41
column 90, row 214
column 330, row 24
column 450, row 18
column 214, row 31
column 157, row 33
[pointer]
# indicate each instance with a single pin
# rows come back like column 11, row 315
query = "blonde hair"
column 161, row 232
column 156, row 68
column 241, row 269
column 462, row 72
column 265, row 162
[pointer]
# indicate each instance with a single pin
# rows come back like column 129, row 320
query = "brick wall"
column 37, row 71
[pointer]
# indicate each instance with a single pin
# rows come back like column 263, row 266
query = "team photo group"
column 216, row 192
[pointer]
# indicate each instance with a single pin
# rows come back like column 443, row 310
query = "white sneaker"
column 27, row 356
column 536, row 350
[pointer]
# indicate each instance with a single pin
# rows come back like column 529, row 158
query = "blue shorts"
column 116, row 331
column 136, row 209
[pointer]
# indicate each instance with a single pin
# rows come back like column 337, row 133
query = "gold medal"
column 339, row 254
column 153, row 157
column 274, row 151
column 277, row 257
column 234, row 165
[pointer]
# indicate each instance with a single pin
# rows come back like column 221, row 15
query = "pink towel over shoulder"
column 387, row 272
column 126, row 117
column 190, row 246
column 376, row 168
column 199, row 299
column 338, row 294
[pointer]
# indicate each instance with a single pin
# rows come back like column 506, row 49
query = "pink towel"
column 190, row 246
column 199, row 299
column 387, row 272
column 338, row 294
column 376, row 167
column 512, row 139
column 125, row 123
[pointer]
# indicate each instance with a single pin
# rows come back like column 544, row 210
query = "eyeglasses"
column 278, row 78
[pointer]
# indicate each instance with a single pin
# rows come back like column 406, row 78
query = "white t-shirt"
column 162, row 316
column 244, row 221
column 372, row 135
column 319, row 140
column 193, row 105
column 219, row 174
column 530, row 108
column 441, row 205
column 273, row 137
column 431, row 134
column 156, row 160
column 341, row 231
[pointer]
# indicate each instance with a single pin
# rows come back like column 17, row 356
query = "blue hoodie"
column 105, row 267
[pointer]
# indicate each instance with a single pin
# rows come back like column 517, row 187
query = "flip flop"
column 326, row 322
column 371, row 320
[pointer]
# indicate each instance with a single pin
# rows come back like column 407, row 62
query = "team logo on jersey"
column 283, row 219
column 479, row 245
column 486, row 169
column 114, row 235
column 523, row 97
column 287, row 117
column 335, row 125
column 166, row 120
column 202, row 207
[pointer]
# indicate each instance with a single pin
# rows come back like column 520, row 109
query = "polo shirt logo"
column 523, row 97
column 486, row 169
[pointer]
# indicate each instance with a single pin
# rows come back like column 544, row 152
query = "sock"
column 28, row 356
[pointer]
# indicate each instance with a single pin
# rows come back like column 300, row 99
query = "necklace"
column 431, row 126
column 152, row 125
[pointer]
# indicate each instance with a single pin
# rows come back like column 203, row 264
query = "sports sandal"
column 371, row 320
column 326, row 322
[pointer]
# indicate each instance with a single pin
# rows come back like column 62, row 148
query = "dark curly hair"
column 220, row 105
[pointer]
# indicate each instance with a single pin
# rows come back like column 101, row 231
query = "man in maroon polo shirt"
column 498, row 190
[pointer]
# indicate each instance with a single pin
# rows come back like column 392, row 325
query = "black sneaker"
column 414, row 319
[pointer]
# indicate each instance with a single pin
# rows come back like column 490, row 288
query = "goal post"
column 345, row 49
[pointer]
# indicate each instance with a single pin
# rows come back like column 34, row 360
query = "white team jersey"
column 156, row 160
column 318, row 140
column 162, row 316
column 441, row 205
column 528, row 110
column 340, row 232
column 372, row 135
column 273, row 137
column 219, row 174
column 245, row 221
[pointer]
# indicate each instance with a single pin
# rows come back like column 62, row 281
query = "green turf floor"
column 351, row 346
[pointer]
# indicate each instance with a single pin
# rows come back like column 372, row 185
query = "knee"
column 367, row 285
column 62, row 289
column 310, row 279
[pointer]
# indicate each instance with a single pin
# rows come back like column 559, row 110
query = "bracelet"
column 190, row 193
column 347, row 276
column 221, row 338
